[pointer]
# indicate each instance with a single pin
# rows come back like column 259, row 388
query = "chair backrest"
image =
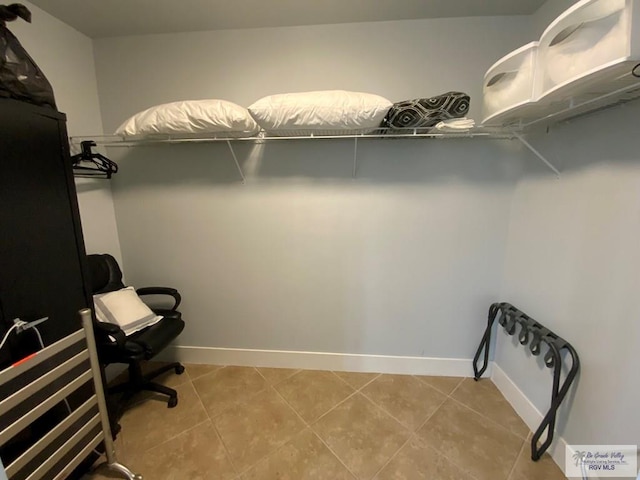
column 105, row 273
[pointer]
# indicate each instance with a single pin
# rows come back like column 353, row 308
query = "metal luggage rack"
column 535, row 335
column 33, row 387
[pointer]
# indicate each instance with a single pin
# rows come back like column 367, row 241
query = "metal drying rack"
column 34, row 386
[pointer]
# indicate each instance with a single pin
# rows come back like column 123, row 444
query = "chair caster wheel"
column 179, row 370
column 173, row 401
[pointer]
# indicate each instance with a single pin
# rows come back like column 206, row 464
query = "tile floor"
column 241, row 423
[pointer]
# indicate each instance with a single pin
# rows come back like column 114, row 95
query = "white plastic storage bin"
column 509, row 86
column 592, row 47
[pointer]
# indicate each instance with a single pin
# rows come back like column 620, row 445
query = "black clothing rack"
column 535, row 335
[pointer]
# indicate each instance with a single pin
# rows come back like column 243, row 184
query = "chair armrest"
column 104, row 330
column 114, row 352
column 172, row 292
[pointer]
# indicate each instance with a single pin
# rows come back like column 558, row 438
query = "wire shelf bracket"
column 537, row 153
column 235, row 159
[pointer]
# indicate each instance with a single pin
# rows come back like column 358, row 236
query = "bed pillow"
column 192, row 117
column 427, row 112
column 321, row 113
column 125, row 309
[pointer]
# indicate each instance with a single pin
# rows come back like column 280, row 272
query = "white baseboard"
column 528, row 412
column 451, row 367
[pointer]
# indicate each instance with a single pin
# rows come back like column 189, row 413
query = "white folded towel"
column 456, row 124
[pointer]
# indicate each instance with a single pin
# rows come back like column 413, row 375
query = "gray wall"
column 546, row 14
column 66, row 57
column 399, row 60
column 399, row 261
column 573, row 263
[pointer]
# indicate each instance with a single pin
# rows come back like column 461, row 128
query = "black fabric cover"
column 427, row 112
column 20, row 77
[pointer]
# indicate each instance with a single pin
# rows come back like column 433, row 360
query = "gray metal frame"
column 81, row 438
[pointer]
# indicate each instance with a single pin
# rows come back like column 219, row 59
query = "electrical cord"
column 6, row 335
column 634, row 71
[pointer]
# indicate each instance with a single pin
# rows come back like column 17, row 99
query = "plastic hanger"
column 88, row 164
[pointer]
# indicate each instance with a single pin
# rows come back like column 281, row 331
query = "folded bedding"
column 331, row 112
column 456, row 125
column 192, row 117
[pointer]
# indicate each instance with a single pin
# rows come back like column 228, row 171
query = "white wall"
column 573, row 263
column 398, row 262
column 66, row 58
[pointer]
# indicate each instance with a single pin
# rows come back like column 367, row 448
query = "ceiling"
column 112, row 18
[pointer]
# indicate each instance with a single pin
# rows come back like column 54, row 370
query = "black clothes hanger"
column 88, row 164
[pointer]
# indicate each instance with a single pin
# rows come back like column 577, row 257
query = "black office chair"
column 115, row 347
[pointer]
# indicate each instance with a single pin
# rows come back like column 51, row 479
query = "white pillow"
column 125, row 309
column 192, row 117
column 323, row 113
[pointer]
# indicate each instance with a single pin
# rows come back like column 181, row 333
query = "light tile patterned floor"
column 242, row 423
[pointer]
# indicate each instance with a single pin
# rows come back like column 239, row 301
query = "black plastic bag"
column 20, row 77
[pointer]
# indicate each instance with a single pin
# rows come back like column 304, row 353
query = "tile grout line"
column 178, row 434
column 355, row 392
column 384, row 410
column 413, row 434
column 220, row 367
column 174, row 437
column 513, row 468
column 392, row 457
column 215, row 429
column 525, row 438
column 251, row 395
column 296, row 371
column 308, row 426
column 268, row 387
column 484, row 417
column 457, row 387
column 419, row 377
column 445, row 456
column 502, row 427
column 377, row 375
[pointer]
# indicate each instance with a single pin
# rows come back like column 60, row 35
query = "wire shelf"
column 379, row 133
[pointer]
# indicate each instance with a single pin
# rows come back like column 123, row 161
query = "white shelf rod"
column 537, row 154
column 235, row 159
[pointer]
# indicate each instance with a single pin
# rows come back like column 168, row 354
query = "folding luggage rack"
column 535, row 335
column 33, row 387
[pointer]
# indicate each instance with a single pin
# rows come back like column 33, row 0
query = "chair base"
column 138, row 382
